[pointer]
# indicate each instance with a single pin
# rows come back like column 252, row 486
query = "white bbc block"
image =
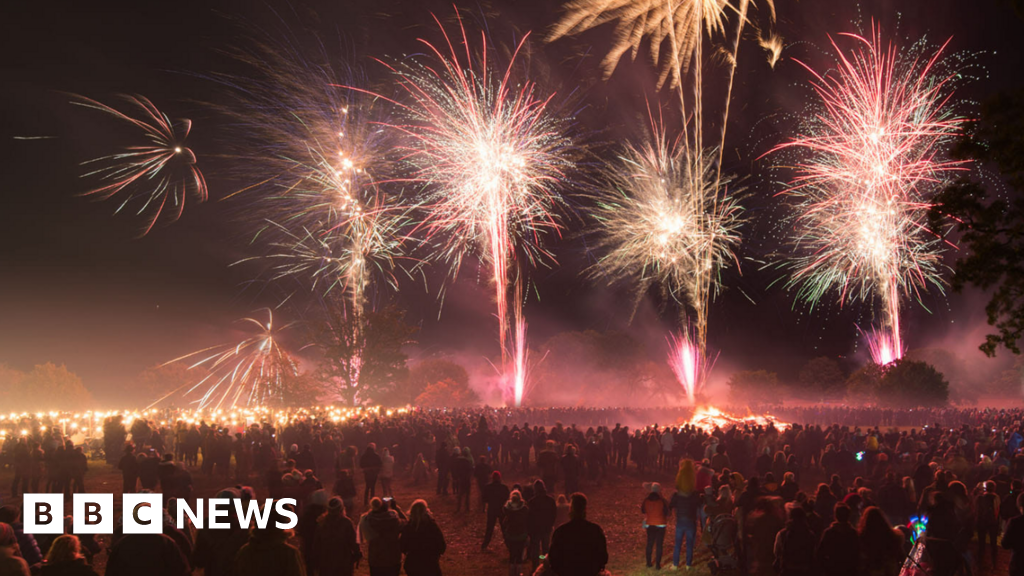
column 93, row 513
column 43, row 513
column 142, row 514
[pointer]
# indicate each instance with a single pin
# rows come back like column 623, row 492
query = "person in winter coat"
column 986, row 509
column 10, row 562
column 335, row 551
column 371, row 464
column 380, row 529
column 561, row 511
column 515, row 530
column 482, row 473
column 794, row 545
column 541, row 522
column 760, row 528
column 838, row 553
column 570, row 470
column 496, row 495
column 27, row 545
column 268, row 553
column 549, row 462
column 215, row 549
column 422, row 542
column 308, row 520
column 686, row 504
column 881, row 547
column 578, row 547
column 387, row 473
column 655, row 510
column 1013, row 540
column 462, row 477
column 150, row 554
column 65, row 559
column 129, row 467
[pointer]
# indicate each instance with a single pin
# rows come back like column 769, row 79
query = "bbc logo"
column 92, row 513
column 143, row 513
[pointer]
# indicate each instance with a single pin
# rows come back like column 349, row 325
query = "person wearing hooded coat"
column 334, row 551
column 422, row 542
column 515, row 530
column 540, row 522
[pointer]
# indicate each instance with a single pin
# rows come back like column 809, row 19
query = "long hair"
column 63, row 549
column 686, row 478
column 875, row 531
column 418, row 512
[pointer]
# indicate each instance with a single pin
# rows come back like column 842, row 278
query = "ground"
column 614, row 504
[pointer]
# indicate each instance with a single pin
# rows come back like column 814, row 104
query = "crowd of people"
column 805, row 498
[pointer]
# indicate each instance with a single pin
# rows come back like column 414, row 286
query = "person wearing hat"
column 10, row 562
column 335, row 551
column 655, row 510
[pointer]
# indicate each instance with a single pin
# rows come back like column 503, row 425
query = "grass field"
column 614, row 504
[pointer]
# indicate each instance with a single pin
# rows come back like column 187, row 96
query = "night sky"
column 77, row 286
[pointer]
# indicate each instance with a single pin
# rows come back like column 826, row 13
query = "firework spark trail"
column 870, row 160
column 885, row 347
column 520, row 352
column 684, row 358
column 161, row 170
column 491, row 158
column 249, row 372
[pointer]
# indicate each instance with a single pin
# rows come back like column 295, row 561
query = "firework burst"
column 678, row 23
column 659, row 229
column 154, row 176
column 250, row 372
column 320, row 156
column 870, row 159
column 491, row 158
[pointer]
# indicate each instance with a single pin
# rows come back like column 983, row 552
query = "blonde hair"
column 64, row 548
column 686, row 478
column 418, row 511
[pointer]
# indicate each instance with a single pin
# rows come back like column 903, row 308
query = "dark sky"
column 78, row 287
